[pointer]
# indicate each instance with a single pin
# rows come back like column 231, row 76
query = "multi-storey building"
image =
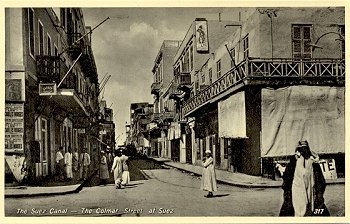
column 164, row 111
column 201, row 40
column 107, row 129
column 277, row 79
column 51, row 101
column 138, row 133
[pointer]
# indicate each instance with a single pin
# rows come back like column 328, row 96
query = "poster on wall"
column 14, row 127
column 14, row 87
column 202, row 36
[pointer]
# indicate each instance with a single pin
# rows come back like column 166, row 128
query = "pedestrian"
column 68, row 162
column 208, row 177
column 104, row 175
column 125, row 166
column 303, row 184
column 84, row 164
column 59, row 164
column 117, row 169
column 75, row 161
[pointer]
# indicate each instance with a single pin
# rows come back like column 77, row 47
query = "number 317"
column 318, row 211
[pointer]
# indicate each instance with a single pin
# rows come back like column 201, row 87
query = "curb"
column 242, row 184
column 76, row 190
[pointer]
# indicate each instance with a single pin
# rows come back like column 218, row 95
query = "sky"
column 126, row 45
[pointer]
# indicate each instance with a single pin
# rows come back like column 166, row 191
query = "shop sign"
column 328, row 168
column 14, row 127
column 81, row 131
column 47, row 89
column 202, row 35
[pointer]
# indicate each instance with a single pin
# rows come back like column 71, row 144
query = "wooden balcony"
column 270, row 72
column 48, row 68
column 155, row 88
column 76, row 45
column 174, row 92
column 184, row 81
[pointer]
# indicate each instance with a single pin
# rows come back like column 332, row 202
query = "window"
column 301, row 39
column 185, row 67
column 233, row 57
column 203, row 77
column 210, row 76
column 218, row 69
column 191, row 58
column 245, row 47
column 63, row 13
column 49, row 51
column 342, row 32
column 41, row 39
column 56, row 51
column 31, row 31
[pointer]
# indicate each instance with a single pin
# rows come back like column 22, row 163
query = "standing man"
column 59, row 163
column 208, row 177
column 84, row 164
column 68, row 163
column 75, row 161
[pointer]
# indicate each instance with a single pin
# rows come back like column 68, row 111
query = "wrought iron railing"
column 48, row 68
column 269, row 70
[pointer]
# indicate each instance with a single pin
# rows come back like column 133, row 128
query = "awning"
column 68, row 99
column 312, row 113
column 232, row 117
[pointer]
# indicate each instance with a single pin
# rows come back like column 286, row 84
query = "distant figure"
column 117, row 169
column 125, row 166
column 303, row 184
column 104, row 175
column 75, row 160
column 59, row 163
column 68, row 162
column 84, row 164
column 208, row 177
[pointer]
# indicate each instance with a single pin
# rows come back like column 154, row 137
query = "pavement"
column 234, row 179
column 222, row 176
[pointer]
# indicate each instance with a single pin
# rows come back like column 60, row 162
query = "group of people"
column 303, row 183
column 120, row 169
column 70, row 164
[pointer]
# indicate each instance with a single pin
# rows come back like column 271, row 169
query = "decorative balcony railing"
column 273, row 72
column 48, row 68
column 155, row 88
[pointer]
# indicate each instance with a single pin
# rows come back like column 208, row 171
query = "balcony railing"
column 48, row 68
column 155, row 88
column 75, row 47
column 272, row 72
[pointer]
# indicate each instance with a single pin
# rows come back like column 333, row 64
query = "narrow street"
column 163, row 192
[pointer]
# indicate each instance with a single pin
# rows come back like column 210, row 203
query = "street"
column 164, row 192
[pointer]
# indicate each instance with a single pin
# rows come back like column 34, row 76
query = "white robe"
column 208, row 177
column 118, row 170
column 68, row 162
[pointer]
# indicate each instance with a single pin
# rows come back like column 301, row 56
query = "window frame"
column 40, row 24
column 31, row 34
column 218, row 69
column 49, row 44
column 210, row 71
column 303, row 41
column 246, row 47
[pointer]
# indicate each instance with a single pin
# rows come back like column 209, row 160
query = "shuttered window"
column 301, row 39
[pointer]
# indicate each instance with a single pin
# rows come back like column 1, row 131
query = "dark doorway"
column 237, row 146
column 188, row 149
column 175, row 150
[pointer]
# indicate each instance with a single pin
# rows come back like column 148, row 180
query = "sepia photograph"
column 165, row 112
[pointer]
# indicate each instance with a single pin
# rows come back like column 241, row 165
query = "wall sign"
column 328, row 168
column 202, row 42
column 47, row 89
column 14, row 127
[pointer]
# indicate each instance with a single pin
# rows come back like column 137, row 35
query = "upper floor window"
column 49, row 51
column 233, row 57
column 301, row 39
column 203, row 77
column 218, row 69
column 246, row 47
column 210, row 76
column 31, row 31
column 191, row 58
column 342, row 42
column 63, row 14
column 41, row 39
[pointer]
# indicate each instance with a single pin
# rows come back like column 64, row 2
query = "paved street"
column 165, row 192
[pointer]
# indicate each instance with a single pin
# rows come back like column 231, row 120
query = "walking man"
column 84, row 164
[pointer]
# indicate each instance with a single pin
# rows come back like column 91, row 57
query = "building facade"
column 164, row 111
column 277, row 79
column 51, row 89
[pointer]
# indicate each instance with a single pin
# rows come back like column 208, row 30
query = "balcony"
column 184, row 81
column 48, row 68
column 76, row 45
column 174, row 93
column 155, row 88
column 270, row 72
column 88, row 64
